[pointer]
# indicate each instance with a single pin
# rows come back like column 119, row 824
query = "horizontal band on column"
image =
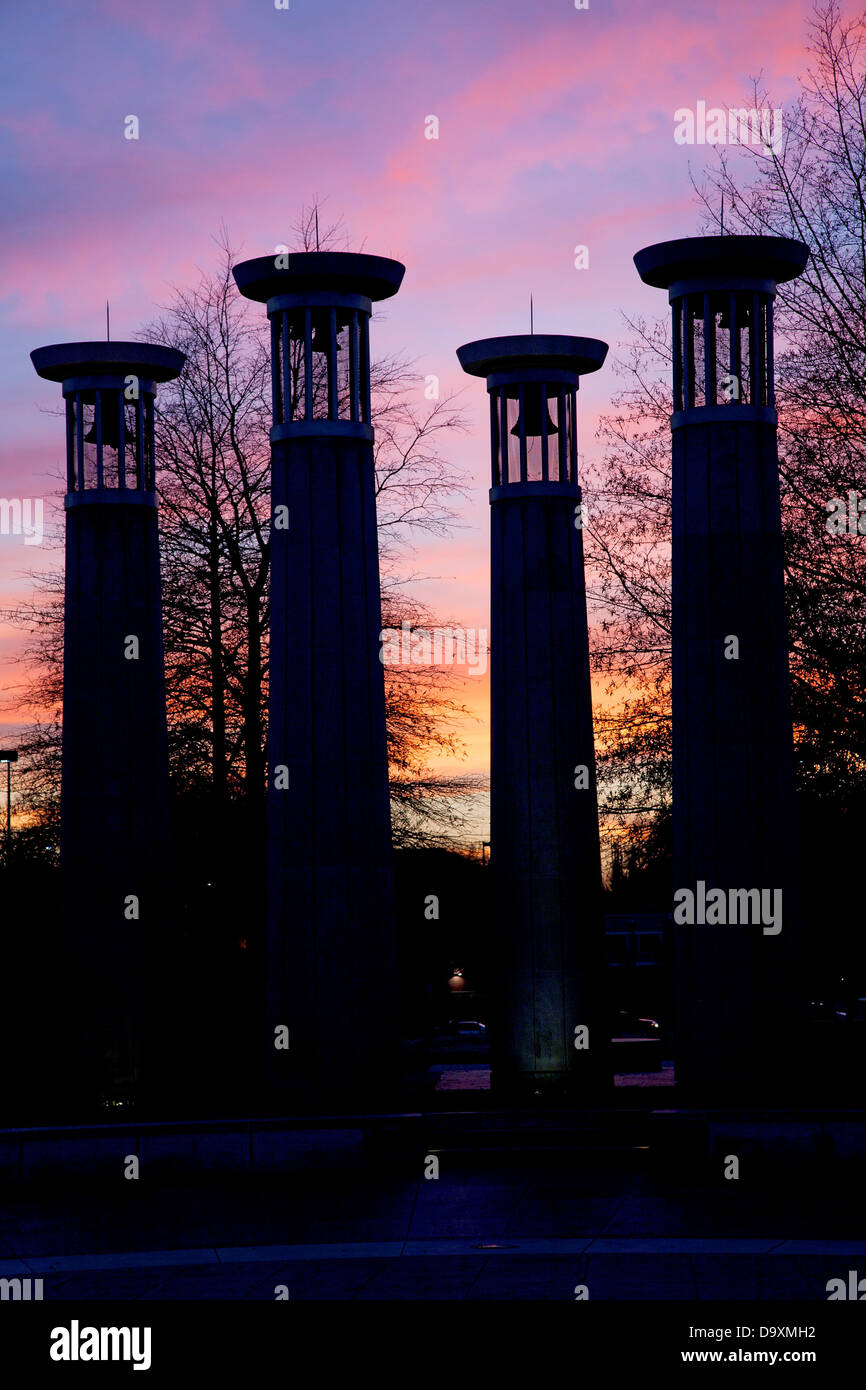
column 321, row 429
column 107, row 383
column 319, row 299
column 112, row 497
column 545, row 375
column 724, row 415
column 530, row 489
column 742, row 284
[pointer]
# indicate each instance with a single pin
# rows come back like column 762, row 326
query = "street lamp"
column 9, row 756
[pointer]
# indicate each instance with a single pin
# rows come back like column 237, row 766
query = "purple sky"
column 555, row 129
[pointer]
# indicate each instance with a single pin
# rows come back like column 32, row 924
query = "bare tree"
column 813, row 188
column 627, row 547
column 214, row 473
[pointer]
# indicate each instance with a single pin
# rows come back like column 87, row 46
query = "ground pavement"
column 626, row 1224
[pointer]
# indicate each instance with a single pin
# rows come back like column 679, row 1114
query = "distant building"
column 639, row 958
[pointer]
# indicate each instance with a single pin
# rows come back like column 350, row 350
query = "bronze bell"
column 318, row 338
column 110, row 432
column 532, row 419
column 321, row 340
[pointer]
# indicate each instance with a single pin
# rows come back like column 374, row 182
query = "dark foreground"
column 627, row 1223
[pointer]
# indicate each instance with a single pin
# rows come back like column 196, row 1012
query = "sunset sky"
column 555, row 129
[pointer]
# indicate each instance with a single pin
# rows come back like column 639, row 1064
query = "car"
column 463, row 1039
column 629, row 1025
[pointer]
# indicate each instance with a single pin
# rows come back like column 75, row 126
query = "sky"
column 555, row 129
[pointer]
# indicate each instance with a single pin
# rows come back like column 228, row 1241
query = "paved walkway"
column 490, row 1227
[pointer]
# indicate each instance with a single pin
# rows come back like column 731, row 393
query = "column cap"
column 721, row 258
column 488, row 356
column 60, row 361
column 347, row 271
